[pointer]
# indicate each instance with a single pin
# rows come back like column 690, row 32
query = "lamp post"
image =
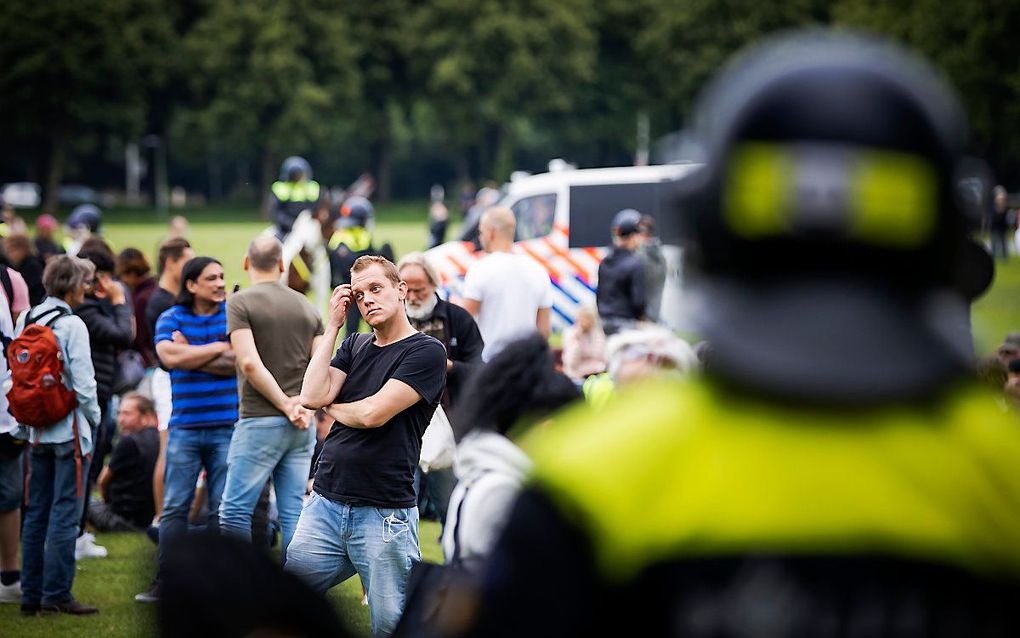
column 162, row 196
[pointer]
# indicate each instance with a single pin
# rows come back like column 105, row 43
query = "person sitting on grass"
column 126, row 483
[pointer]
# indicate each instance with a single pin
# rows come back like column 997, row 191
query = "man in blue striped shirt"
column 191, row 340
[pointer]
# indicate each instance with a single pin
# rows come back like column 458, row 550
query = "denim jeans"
column 262, row 447
column 51, row 524
column 187, row 452
column 335, row 540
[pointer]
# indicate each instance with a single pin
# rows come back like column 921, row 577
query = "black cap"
column 626, row 222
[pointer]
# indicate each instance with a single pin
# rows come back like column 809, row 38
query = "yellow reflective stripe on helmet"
column 877, row 197
column 757, row 191
column 895, row 199
column 301, row 268
column 674, row 470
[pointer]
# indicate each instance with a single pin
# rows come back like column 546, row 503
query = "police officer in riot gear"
column 293, row 193
column 352, row 239
column 836, row 471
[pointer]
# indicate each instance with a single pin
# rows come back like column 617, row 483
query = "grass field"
column 112, row 583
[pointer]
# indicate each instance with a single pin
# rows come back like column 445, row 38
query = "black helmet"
column 824, row 232
column 87, row 216
column 356, row 211
column 294, row 168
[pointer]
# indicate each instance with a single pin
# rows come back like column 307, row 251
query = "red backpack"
column 38, row 396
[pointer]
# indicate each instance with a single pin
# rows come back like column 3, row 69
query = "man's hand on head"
column 339, row 303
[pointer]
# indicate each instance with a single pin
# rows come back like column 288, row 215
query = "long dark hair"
column 191, row 272
column 518, row 382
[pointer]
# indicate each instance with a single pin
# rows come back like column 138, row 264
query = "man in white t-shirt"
column 509, row 295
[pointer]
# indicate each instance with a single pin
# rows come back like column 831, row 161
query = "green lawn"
column 111, row 583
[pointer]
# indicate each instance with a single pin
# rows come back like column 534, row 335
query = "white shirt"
column 511, row 289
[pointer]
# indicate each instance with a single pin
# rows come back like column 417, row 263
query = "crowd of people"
column 823, row 464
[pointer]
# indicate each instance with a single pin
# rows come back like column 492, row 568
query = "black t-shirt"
column 376, row 466
column 132, row 464
column 158, row 303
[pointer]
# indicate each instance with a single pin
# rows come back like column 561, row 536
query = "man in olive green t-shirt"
column 273, row 331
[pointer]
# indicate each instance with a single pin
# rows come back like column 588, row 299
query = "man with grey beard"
column 456, row 329
column 449, row 323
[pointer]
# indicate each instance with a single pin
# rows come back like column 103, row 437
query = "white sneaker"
column 10, row 593
column 85, row 547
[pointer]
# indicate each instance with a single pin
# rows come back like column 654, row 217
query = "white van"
column 563, row 223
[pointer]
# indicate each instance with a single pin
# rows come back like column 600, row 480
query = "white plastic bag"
column 437, row 445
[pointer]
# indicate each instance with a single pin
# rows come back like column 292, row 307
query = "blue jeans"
column 51, row 524
column 262, row 447
column 187, row 452
column 336, row 540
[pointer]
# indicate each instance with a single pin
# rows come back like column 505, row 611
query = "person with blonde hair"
column 584, row 345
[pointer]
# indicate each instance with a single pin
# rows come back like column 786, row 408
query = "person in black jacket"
column 110, row 322
column 458, row 332
column 621, row 294
column 21, row 256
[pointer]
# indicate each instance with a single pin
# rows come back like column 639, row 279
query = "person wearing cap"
column 621, row 295
column 835, row 470
column 45, row 247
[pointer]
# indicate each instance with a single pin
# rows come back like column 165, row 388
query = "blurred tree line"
column 418, row 92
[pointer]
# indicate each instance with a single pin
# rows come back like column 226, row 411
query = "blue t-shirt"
column 200, row 399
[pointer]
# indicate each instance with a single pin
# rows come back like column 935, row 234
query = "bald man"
column 509, row 295
column 273, row 331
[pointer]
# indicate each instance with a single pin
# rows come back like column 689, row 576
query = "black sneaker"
column 30, row 609
column 150, row 596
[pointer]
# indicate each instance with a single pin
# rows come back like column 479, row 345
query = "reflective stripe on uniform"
column 296, row 192
column 674, row 470
column 355, row 238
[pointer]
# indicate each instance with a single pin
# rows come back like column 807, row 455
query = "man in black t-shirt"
column 381, row 389
column 126, row 483
column 173, row 254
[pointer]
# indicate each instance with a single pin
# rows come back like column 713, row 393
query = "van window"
column 535, row 216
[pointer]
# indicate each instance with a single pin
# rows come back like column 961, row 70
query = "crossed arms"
column 322, row 383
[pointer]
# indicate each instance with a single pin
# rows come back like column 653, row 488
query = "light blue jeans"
column 262, row 447
column 335, row 540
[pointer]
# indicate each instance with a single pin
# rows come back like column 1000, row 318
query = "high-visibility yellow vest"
column 356, row 238
column 674, row 470
column 305, row 191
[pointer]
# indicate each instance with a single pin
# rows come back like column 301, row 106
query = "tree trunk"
column 381, row 166
column 54, row 173
column 267, row 177
column 503, row 162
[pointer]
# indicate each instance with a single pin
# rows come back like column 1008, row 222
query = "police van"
column 563, row 223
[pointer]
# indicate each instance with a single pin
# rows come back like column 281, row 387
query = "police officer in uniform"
column 836, row 471
column 352, row 239
column 294, row 193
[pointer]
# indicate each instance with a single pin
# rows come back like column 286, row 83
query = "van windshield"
column 535, row 216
